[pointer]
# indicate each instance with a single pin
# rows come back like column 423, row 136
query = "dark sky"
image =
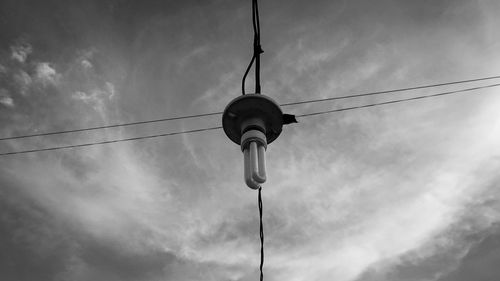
column 406, row 192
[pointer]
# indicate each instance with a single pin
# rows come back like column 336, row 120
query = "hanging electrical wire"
column 392, row 91
column 399, row 101
column 257, row 50
column 218, row 113
column 110, row 126
column 111, row 141
column 261, row 235
column 218, row 127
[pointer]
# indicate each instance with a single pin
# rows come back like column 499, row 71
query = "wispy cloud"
column 363, row 195
column 23, row 81
column 21, row 52
column 5, row 99
column 46, row 73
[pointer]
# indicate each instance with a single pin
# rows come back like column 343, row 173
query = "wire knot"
column 258, row 50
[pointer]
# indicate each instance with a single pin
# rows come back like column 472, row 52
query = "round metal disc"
column 251, row 106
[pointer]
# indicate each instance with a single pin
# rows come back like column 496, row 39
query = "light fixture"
column 253, row 121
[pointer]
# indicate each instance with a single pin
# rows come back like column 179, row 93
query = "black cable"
column 255, row 19
column 111, row 126
column 257, row 50
column 214, row 128
column 392, row 91
column 398, row 101
column 245, row 75
column 261, row 236
column 110, row 141
column 217, row 113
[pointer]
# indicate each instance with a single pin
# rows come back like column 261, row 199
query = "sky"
column 403, row 192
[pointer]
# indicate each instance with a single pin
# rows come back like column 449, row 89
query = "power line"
column 261, row 235
column 217, row 113
column 392, row 91
column 111, row 126
column 110, row 141
column 398, row 101
column 219, row 127
column 257, row 50
column 245, row 75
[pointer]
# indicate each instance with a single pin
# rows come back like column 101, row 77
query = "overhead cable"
column 111, row 126
column 257, row 50
column 111, row 141
column 398, row 101
column 219, row 127
column 261, row 232
column 391, row 91
column 217, row 113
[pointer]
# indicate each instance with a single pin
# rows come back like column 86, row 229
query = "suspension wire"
column 257, row 51
column 219, row 127
column 245, row 75
column 392, row 91
column 257, row 48
column 111, row 126
column 110, row 141
column 398, row 101
column 253, row 54
column 217, row 113
column 261, row 236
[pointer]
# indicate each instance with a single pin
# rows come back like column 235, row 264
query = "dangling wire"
column 257, row 50
column 245, row 76
column 261, row 237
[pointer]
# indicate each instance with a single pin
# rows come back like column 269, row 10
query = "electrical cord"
column 392, row 91
column 219, row 127
column 111, row 126
column 245, row 75
column 398, row 101
column 110, row 141
column 284, row 104
column 261, row 236
column 257, row 50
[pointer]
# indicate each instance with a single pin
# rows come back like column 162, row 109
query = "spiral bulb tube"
column 254, row 152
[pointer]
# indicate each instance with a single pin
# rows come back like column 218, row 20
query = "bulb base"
column 252, row 112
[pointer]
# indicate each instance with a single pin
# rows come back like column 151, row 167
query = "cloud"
column 46, row 73
column 348, row 193
column 5, row 99
column 448, row 255
column 23, row 81
column 481, row 260
column 21, row 52
column 97, row 98
column 376, row 211
column 86, row 64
